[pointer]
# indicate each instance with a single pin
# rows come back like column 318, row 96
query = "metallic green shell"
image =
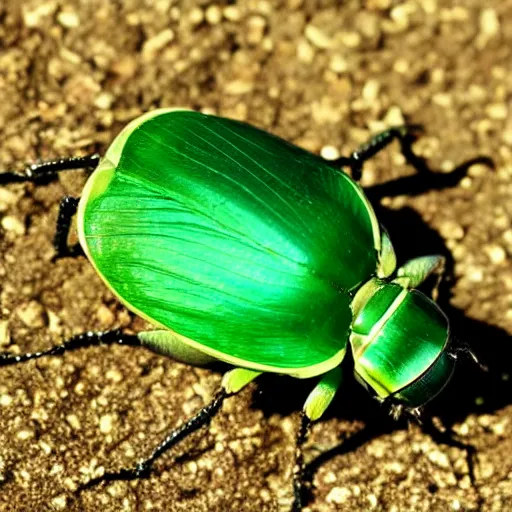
column 399, row 339
column 242, row 243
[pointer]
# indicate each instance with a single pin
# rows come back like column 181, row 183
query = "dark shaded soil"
column 324, row 77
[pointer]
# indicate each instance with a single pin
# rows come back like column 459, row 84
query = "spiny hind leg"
column 315, row 406
column 232, row 382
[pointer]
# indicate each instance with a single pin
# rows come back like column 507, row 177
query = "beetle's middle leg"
column 404, row 134
column 83, row 340
column 39, row 170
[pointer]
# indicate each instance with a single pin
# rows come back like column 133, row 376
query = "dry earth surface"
column 325, row 77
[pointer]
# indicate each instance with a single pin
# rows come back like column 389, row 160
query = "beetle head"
column 399, row 340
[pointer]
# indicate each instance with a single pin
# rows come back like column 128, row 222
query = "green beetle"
column 240, row 247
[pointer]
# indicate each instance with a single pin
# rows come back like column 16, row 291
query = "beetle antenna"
column 38, row 170
column 463, row 348
column 143, row 468
column 83, row 340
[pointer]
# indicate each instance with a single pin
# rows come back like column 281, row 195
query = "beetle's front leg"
column 404, row 134
column 417, row 270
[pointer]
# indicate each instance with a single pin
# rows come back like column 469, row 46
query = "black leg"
column 39, row 170
column 86, row 339
column 404, row 134
column 143, row 468
column 299, row 486
column 67, row 208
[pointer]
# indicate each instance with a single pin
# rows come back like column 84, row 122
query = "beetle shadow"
column 471, row 390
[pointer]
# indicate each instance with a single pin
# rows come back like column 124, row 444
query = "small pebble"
column 154, row 45
column 237, row 87
column 106, row 423
column 196, row 16
column 232, row 13
column 13, row 224
column 371, row 90
column 305, row 52
column 5, row 335
column 317, row 38
column 32, row 314
column 73, row 421
column 498, row 111
column 213, row 15
column 5, row 400
column 350, row 39
column 60, row 502
column 338, row 64
column 68, row 19
column 489, row 23
column 451, row 230
column 7, row 199
column 329, row 153
column 394, row 117
column 34, row 17
column 23, row 435
column 256, row 29
column 496, row 253
column 104, row 100
column 339, row 495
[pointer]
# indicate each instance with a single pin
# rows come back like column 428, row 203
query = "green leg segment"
column 323, row 394
column 416, row 271
column 387, row 257
column 315, row 406
column 169, row 343
column 236, row 379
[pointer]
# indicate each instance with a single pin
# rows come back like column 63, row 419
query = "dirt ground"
column 325, row 77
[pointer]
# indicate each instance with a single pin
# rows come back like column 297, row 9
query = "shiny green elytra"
column 241, row 247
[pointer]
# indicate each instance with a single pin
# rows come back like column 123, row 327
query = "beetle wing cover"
column 233, row 238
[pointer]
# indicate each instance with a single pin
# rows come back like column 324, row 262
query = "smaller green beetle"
column 240, row 247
